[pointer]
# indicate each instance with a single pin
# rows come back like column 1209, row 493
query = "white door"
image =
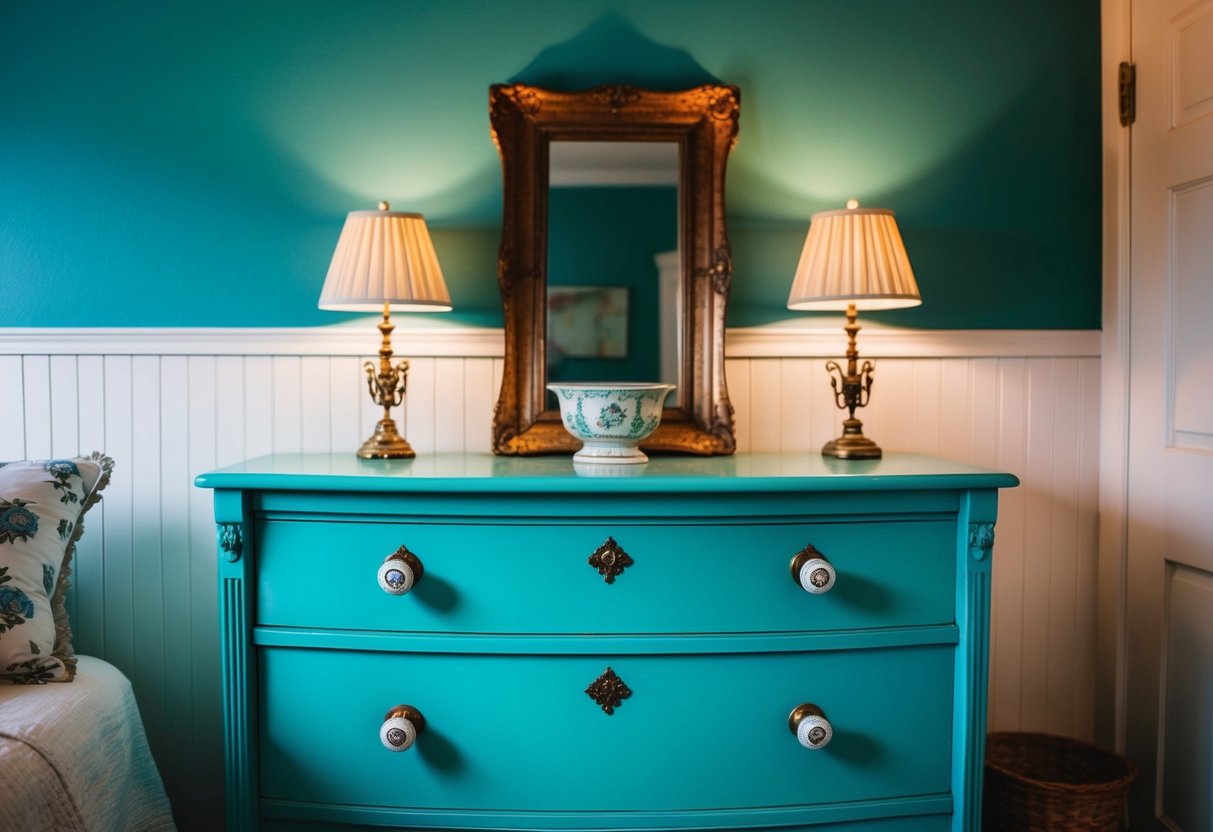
column 1169, row 590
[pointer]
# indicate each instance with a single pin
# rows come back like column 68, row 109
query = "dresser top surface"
column 772, row 472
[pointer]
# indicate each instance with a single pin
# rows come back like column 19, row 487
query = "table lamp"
column 853, row 259
column 385, row 261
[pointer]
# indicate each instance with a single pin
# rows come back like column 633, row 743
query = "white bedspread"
column 74, row 757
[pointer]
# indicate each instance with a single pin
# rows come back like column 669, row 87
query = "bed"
column 75, row 757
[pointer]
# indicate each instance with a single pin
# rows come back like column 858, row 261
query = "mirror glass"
column 614, row 276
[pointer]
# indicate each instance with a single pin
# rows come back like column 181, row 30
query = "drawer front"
column 535, row 578
column 518, row 733
column 610, row 823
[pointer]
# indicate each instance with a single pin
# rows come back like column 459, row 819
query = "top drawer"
column 535, row 578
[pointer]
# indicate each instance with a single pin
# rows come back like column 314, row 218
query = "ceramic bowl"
column 610, row 418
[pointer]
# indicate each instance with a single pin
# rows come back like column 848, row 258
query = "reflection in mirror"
column 612, row 223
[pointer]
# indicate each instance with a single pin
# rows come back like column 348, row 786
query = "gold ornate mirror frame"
column 703, row 122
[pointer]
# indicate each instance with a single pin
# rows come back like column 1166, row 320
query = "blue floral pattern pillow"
column 42, row 505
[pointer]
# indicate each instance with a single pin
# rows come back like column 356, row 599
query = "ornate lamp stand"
column 387, row 388
column 852, row 389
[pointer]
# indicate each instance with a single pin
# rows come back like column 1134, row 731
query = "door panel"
column 1190, row 382
column 1188, row 689
column 1169, row 535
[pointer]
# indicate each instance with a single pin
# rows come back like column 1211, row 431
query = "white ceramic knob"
column 811, row 727
column 814, row 732
column 400, row 728
column 811, row 571
column 399, row 572
column 816, row 576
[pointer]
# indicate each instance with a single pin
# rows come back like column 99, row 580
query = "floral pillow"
column 42, row 505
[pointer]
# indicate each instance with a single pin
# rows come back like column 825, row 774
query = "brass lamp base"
column 852, row 444
column 386, row 443
column 387, row 389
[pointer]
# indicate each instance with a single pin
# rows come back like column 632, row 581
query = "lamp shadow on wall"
column 611, row 50
column 992, row 228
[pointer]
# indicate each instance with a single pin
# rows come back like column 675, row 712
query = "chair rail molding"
column 827, row 340
column 820, row 339
column 357, row 339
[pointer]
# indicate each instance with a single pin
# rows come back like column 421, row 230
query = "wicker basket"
column 1040, row 782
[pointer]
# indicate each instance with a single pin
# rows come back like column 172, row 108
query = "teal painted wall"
column 190, row 164
column 609, row 237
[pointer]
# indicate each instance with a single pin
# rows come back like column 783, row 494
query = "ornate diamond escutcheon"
column 610, row 560
column 609, row 691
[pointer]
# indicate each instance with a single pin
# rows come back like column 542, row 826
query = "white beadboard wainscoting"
column 170, row 404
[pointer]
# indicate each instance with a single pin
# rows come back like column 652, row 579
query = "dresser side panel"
column 235, row 545
column 974, row 546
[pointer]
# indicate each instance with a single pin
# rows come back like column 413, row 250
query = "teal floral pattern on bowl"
column 611, row 418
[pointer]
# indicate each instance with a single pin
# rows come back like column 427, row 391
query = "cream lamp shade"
column 383, row 257
column 853, row 256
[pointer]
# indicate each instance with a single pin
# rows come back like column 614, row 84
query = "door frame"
column 1111, row 675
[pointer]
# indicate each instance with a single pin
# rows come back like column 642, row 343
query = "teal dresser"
column 477, row 642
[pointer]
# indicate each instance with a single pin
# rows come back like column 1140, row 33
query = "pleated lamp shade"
column 385, row 256
column 854, row 255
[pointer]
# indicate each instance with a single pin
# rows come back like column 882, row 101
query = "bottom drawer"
column 519, row 733
column 918, row 823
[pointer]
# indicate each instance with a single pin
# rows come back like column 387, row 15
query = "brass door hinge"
column 1128, row 93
